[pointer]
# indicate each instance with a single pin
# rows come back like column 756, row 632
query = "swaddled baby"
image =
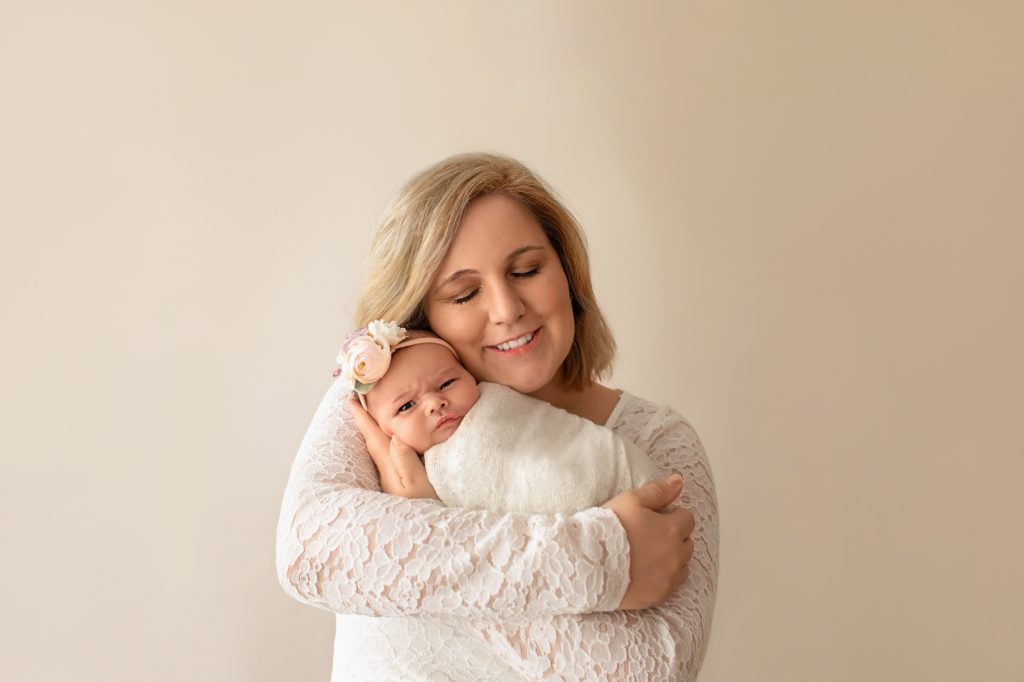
column 486, row 446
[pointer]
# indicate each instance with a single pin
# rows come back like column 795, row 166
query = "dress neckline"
column 617, row 410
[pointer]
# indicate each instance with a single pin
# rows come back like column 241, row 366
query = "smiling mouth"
column 520, row 343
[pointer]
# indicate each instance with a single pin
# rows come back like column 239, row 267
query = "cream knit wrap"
column 514, row 453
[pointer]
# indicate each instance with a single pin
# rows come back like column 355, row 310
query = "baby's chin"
column 441, row 437
column 421, row 446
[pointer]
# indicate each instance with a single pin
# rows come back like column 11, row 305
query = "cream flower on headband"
column 366, row 354
column 388, row 332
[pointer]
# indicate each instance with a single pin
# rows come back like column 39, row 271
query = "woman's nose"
column 505, row 305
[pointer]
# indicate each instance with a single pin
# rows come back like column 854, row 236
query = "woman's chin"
column 527, row 374
column 527, row 383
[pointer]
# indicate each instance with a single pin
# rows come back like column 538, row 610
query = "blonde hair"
column 417, row 229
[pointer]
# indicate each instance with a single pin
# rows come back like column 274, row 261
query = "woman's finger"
column 364, row 422
column 376, row 441
column 684, row 573
column 687, row 550
column 689, row 523
column 407, row 465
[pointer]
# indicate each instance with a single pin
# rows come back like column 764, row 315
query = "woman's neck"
column 595, row 402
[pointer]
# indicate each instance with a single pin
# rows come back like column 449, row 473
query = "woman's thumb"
column 660, row 493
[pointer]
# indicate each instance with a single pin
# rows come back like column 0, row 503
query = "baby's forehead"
column 421, row 359
column 410, row 367
column 416, row 364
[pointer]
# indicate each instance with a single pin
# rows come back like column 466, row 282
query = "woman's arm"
column 673, row 443
column 345, row 547
column 666, row 642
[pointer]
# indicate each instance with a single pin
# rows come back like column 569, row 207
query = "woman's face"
column 501, row 297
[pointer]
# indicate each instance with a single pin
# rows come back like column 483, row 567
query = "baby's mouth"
column 446, row 420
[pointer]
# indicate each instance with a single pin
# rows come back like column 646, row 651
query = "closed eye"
column 447, row 384
column 467, row 297
column 524, row 274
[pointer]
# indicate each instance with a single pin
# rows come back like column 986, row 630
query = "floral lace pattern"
column 525, row 596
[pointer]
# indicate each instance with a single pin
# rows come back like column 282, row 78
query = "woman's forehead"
column 493, row 230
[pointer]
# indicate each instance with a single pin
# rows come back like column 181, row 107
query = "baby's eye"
column 407, row 406
column 447, row 384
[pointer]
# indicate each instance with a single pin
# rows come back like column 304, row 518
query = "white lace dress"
column 427, row 592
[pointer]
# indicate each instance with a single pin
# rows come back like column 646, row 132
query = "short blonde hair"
column 417, row 229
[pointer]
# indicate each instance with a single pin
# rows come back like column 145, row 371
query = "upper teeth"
column 515, row 343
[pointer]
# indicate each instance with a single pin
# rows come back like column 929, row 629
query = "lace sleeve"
column 667, row 642
column 674, row 445
column 346, row 547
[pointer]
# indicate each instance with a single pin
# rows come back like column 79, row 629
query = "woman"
column 477, row 249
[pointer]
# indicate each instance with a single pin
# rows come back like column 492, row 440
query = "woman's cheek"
column 462, row 330
column 473, row 364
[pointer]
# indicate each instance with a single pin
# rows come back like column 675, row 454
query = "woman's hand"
column 660, row 546
column 401, row 471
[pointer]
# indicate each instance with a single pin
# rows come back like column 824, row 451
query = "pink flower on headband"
column 366, row 354
column 367, row 361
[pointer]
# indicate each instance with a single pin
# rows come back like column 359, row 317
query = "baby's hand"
column 401, row 471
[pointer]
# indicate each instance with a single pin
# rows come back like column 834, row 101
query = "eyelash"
column 443, row 386
column 472, row 294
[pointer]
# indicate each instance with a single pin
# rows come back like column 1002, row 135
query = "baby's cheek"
column 410, row 434
column 385, row 426
column 441, row 436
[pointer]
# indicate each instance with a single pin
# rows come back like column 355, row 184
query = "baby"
column 486, row 446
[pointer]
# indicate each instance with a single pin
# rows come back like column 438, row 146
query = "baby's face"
column 423, row 396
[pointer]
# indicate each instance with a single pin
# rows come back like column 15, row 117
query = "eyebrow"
column 402, row 398
column 410, row 393
column 469, row 271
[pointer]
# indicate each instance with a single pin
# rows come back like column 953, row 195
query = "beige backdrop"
column 805, row 220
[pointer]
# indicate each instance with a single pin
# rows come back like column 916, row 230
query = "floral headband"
column 366, row 354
